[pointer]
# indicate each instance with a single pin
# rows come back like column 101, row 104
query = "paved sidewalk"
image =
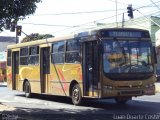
column 6, row 108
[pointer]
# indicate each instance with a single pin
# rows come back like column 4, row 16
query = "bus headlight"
column 108, row 87
column 149, row 85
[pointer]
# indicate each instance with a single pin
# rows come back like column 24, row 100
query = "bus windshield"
column 125, row 56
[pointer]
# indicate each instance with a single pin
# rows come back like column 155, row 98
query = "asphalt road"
column 43, row 107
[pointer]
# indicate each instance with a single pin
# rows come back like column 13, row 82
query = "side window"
column 58, row 52
column 73, row 51
column 34, row 50
column 58, row 47
column 73, row 45
column 24, row 56
column 34, row 55
column 24, row 51
column 9, row 58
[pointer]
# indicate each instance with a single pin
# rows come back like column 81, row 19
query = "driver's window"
column 134, row 55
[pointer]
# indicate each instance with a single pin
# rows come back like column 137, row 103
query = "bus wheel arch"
column 75, row 93
column 27, row 88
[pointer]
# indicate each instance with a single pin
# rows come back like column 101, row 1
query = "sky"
column 62, row 17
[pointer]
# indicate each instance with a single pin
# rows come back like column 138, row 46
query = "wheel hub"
column 76, row 94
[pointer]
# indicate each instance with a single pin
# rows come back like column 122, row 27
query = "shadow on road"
column 105, row 111
column 105, row 105
column 45, row 114
column 91, row 109
column 59, row 99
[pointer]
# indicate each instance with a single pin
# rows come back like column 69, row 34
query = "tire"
column 27, row 89
column 76, row 95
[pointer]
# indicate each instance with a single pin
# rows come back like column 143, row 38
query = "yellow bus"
column 113, row 63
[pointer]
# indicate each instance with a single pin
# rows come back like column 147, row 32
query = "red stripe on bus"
column 63, row 79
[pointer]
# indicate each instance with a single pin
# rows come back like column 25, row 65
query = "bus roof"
column 37, row 42
column 81, row 34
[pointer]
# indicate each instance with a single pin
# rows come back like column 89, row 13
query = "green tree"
column 12, row 10
column 36, row 36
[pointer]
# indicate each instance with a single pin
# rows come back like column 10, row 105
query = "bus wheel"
column 76, row 95
column 27, row 89
column 122, row 100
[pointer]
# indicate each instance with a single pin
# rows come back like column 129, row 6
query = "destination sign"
column 124, row 34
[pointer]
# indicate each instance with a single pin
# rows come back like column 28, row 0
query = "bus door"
column 15, row 69
column 90, row 68
column 44, row 69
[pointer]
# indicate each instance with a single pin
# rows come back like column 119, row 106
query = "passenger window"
column 24, row 51
column 34, row 55
column 73, row 45
column 58, row 49
column 34, row 50
column 73, row 51
column 24, row 56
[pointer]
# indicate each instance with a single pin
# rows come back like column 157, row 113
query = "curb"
column 3, row 83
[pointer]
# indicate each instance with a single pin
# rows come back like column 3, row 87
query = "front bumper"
column 128, row 92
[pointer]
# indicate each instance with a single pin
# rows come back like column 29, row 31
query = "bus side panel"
column 61, row 77
column 32, row 74
column 55, row 80
column 72, row 72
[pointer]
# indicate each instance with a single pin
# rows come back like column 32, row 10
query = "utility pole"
column 116, row 15
column 123, row 21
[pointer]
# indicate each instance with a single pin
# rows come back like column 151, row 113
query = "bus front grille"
column 136, row 92
column 128, row 87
